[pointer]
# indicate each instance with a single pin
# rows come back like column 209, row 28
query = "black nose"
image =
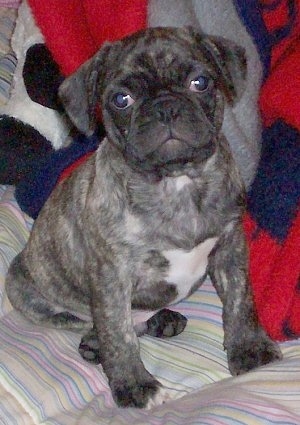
column 166, row 109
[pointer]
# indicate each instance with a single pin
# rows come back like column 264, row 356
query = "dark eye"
column 122, row 100
column 199, row 84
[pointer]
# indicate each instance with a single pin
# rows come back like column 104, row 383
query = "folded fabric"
column 31, row 193
column 272, row 224
column 73, row 34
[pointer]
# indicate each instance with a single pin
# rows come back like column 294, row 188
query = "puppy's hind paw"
column 166, row 323
column 89, row 348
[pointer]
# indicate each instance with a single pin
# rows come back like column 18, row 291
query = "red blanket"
column 273, row 223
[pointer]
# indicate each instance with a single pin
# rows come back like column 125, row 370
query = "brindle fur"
column 96, row 248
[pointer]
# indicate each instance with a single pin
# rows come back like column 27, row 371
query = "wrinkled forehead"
column 156, row 40
column 158, row 55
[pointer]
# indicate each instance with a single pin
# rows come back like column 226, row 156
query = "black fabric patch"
column 274, row 195
column 21, row 146
column 42, row 77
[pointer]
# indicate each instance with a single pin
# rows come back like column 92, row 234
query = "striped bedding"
column 7, row 57
column 43, row 379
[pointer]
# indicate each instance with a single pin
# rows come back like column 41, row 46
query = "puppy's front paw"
column 163, row 395
column 252, row 353
column 136, row 394
column 138, row 389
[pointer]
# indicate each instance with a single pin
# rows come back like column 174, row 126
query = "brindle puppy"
column 158, row 207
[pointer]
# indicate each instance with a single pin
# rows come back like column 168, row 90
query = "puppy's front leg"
column 131, row 384
column 247, row 344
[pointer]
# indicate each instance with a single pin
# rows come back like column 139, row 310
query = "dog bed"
column 44, row 380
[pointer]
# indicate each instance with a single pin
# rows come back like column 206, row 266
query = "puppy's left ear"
column 229, row 62
column 80, row 91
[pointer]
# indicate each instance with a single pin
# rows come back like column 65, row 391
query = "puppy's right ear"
column 80, row 91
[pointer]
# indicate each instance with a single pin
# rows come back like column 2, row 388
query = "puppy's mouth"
column 173, row 155
column 168, row 148
column 173, row 143
column 172, row 147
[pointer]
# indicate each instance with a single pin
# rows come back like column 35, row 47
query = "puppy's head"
column 162, row 94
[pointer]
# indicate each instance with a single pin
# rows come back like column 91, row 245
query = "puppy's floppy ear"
column 80, row 91
column 229, row 61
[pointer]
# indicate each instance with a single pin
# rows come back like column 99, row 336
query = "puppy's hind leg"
column 25, row 297
column 165, row 323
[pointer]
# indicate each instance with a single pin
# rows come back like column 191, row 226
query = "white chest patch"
column 182, row 181
column 188, row 267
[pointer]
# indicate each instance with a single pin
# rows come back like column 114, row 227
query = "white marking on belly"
column 132, row 224
column 187, row 267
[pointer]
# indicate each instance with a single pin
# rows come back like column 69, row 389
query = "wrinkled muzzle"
column 170, row 130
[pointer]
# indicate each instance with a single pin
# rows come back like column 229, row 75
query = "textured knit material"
column 75, row 29
column 272, row 224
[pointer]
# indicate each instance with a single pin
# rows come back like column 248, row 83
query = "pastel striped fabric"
column 10, row 3
column 7, row 57
column 43, row 379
